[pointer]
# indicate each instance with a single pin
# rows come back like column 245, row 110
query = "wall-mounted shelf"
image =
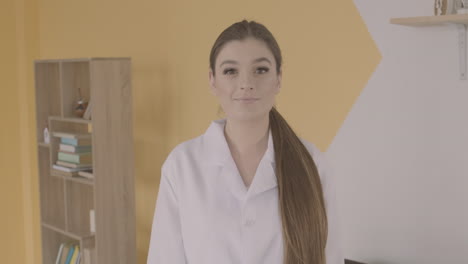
column 459, row 20
column 431, row 20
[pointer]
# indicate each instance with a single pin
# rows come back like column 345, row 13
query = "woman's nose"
column 246, row 82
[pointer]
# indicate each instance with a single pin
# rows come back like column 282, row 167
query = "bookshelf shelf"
column 43, row 144
column 68, row 234
column 70, row 119
column 66, row 201
column 420, row 21
column 77, row 179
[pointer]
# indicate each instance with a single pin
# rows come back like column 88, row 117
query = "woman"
column 248, row 190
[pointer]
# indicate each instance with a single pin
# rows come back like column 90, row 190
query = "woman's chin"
column 247, row 116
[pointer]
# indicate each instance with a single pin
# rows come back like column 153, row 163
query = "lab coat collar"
column 217, row 153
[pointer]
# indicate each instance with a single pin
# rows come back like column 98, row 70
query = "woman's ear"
column 279, row 77
column 211, row 78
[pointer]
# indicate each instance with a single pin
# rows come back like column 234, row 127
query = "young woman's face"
column 245, row 81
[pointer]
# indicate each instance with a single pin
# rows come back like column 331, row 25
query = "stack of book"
column 74, row 155
column 69, row 253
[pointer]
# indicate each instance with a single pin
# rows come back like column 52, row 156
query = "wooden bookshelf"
column 65, row 201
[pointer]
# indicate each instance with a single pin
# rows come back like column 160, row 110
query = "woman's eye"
column 229, row 71
column 262, row 70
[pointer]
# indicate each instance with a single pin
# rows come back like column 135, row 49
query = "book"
column 74, row 165
column 78, row 158
column 86, row 256
column 63, row 173
column 76, row 252
column 87, row 113
column 59, row 255
column 74, row 149
column 66, row 250
column 76, row 141
column 71, row 135
column 86, row 173
column 60, row 168
column 70, row 254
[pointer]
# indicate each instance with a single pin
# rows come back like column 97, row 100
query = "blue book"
column 70, row 255
column 76, row 141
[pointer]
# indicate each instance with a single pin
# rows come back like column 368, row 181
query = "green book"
column 75, row 149
column 77, row 158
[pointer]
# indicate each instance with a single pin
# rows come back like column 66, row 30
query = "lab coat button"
column 249, row 222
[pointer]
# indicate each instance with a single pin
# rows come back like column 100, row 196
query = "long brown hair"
column 301, row 201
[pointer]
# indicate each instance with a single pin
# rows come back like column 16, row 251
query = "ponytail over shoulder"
column 301, row 199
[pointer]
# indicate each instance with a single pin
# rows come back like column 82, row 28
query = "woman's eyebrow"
column 228, row 61
column 254, row 61
column 262, row 59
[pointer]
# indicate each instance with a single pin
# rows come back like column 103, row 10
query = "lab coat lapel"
column 217, row 153
column 236, row 185
column 265, row 176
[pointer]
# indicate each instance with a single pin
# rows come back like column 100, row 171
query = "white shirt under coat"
column 206, row 215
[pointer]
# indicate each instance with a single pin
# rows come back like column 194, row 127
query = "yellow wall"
column 169, row 42
column 11, row 188
column 19, row 224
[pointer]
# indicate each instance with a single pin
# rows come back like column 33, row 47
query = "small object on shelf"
column 87, row 113
column 446, row 7
column 464, row 7
column 438, row 7
column 46, row 135
column 92, row 222
column 80, row 105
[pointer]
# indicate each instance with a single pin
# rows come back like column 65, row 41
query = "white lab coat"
column 205, row 215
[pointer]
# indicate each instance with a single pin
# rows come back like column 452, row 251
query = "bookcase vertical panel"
column 113, row 159
column 52, row 194
column 47, row 82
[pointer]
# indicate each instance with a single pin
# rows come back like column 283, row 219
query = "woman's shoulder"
column 318, row 156
column 311, row 147
column 184, row 150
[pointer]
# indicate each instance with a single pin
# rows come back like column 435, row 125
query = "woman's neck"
column 247, row 136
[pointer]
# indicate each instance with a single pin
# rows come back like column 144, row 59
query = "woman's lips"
column 247, row 99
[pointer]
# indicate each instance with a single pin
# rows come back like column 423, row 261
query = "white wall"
column 401, row 156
